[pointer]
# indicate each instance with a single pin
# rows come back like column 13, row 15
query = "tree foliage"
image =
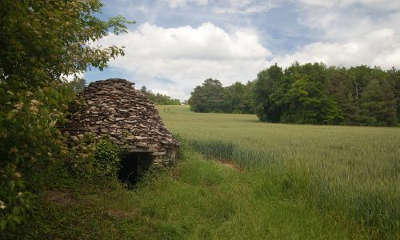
column 42, row 42
column 238, row 98
column 211, row 96
column 107, row 161
column 158, row 98
column 268, row 100
column 309, row 93
column 316, row 94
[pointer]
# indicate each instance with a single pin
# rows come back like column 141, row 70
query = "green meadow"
column 345, row 171
column 237, row 178
column 197, row 199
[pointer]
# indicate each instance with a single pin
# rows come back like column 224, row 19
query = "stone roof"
column 115, row 109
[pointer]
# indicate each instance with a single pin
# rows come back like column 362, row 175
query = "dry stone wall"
column 114, row 108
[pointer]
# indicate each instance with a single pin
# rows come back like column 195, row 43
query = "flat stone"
column 141, row 138
column 115, row 109
column 141, row 144
column 159, row 153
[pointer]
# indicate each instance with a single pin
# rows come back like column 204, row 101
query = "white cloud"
column 227, row 6
column 245, row 6
column 182, row 3
column 350, row 32
column 319, row 3
column 72, row 77
column 376, row 4
column 339, row 25
column 345, row 24
column 378, row 48
column 174, row 60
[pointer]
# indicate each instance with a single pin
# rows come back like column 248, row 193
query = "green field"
column 276, row 182
column 352, row 172
column 197, row 199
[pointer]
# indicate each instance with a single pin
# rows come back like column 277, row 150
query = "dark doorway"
column 134, row 166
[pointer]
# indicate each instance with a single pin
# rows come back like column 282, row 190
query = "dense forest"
column 309, row 93
column 213, row 97
column 160, row 99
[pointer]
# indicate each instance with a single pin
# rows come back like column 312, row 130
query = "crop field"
column 352, row 172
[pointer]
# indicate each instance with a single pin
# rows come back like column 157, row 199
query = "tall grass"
column 351, row 171
column 197, row 199
column 246, row 159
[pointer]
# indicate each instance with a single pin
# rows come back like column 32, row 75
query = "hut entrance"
column 133, row 166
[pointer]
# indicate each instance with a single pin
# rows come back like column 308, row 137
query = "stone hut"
column 116, row 110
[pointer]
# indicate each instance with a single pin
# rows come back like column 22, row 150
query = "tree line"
column 158, row 98
column 211, row 96
column 311, row 94
column 79, row 84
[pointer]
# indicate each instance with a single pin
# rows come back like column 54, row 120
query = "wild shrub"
column 53, row 41
column 90, row 159
column 80, row 160
column 106, row 159
column 29, row 143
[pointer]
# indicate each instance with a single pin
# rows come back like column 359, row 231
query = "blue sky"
column 177, row 44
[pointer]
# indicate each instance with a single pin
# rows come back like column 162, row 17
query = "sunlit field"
column 351, row 171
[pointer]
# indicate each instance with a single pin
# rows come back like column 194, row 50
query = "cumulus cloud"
column 378, row 48
column 174, row 60
column 349, row 35
column 346, row 23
